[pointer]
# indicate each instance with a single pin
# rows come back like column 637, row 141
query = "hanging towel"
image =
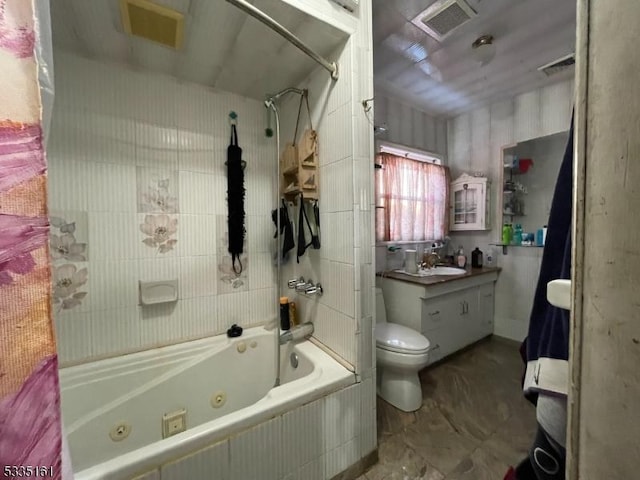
column 286, row 228
column 303, row 220
column 546, row 347
column 235, row 200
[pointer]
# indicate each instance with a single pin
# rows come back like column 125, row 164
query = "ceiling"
column 223, row 47
column 445, row 79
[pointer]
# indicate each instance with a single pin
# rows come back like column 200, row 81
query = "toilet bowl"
column 401, row 353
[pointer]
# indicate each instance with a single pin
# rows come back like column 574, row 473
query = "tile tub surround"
column 474, row 422
column 137, row 191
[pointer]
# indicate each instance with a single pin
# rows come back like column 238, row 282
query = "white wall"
column 115, row 132
column 475, row 140
column 408, row 125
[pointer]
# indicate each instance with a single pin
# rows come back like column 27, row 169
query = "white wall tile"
column 197, row 194
column 73, row 334
column 200, row 317
column 336, row 186
column 233, row 308
column 260, row 272
column 68, row 188
column 337, row 236
column 263, row 306
column 113, row 284
column 341, row 417
column 112, row 187
column 211, row 462
column 115, row 330
column 198, row 276
column 257, row 454
column 303, row 434
column 341, row 458
column 113, row 236
column 197, row 235
column 160, row 324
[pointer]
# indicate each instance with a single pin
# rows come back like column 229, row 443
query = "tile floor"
column 473, row 424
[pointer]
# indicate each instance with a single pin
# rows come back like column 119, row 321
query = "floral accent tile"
column 68, row 237
column 157, row 190
column 160, row 231
column 230, row 281
column 69, row 286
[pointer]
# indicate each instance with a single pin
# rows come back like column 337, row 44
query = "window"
column 412, row 199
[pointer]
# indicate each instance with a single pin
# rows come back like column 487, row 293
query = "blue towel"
column 547, row 344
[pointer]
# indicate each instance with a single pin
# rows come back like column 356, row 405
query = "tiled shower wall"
column 475, row 140
column 137, row 191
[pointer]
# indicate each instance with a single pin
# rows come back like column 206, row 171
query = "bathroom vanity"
column 451, row 311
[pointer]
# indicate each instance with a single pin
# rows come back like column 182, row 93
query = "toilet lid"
column 401, row 339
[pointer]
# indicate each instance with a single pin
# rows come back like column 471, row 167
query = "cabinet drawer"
column 440, row 312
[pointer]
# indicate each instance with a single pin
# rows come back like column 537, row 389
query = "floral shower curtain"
column 30, row 427
column 412, row 199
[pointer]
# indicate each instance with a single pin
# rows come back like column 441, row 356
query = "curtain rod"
column 243, row 5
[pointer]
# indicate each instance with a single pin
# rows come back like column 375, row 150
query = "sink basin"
column 444, row 271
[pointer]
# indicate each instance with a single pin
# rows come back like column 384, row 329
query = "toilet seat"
column 400, row 339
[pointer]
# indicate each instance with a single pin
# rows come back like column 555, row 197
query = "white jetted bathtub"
column 113, row 409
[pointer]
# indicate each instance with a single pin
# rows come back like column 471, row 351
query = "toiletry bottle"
column 476, row 258
column 544, row 235
column 461, row 259
column 510, row 233
column 506, row 238
column 293, row 315
column 517, row 235
column 285, row 323
column 540, row 237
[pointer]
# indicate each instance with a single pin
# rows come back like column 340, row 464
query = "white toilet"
column 400, row 353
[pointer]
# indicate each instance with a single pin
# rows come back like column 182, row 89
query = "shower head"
column 272, row 98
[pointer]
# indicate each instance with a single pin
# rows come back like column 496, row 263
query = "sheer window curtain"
column 412, row 199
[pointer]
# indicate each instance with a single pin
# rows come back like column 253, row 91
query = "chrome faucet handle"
column 301, row 286
column 294, row 281
column 314, row 289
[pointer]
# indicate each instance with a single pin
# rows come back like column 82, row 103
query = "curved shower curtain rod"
column 258, row 14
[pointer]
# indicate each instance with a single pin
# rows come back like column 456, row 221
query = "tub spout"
column 296, row 333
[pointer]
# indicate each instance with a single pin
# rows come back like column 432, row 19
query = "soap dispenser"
column 461, row 259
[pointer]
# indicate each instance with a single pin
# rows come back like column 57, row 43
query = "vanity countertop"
column 437, row 279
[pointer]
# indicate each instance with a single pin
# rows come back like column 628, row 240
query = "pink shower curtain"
column 412, row 199
column 30, row 428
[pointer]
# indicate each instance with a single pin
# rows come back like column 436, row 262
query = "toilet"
column 401, row 353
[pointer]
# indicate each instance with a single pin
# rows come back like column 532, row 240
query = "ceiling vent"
column 154, row 22
column 558, row 65
column 443, row 17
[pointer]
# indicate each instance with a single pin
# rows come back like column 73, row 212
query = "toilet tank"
column 381, row 311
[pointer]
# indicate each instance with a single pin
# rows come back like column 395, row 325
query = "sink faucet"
column 430, row 260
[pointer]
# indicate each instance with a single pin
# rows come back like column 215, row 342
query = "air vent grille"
column 148, row 20
column 444, row 16
column 559, row 65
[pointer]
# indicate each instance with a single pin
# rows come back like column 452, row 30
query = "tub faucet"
column 296, row 333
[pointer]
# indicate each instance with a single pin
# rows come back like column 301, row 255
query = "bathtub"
column 113, row 409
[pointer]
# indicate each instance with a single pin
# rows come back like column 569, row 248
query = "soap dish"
column 163, row 291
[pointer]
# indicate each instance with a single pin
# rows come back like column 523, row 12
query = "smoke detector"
column 559, row 65
column 151, row 21
column 443, row 17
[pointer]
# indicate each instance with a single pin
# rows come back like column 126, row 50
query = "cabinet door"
column 487, row 308
column 469, row 326
column 468, row 201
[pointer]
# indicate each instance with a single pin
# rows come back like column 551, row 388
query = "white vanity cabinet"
column 470, row 203
column 451, row 314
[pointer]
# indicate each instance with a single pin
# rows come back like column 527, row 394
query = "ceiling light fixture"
column 483, row 49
